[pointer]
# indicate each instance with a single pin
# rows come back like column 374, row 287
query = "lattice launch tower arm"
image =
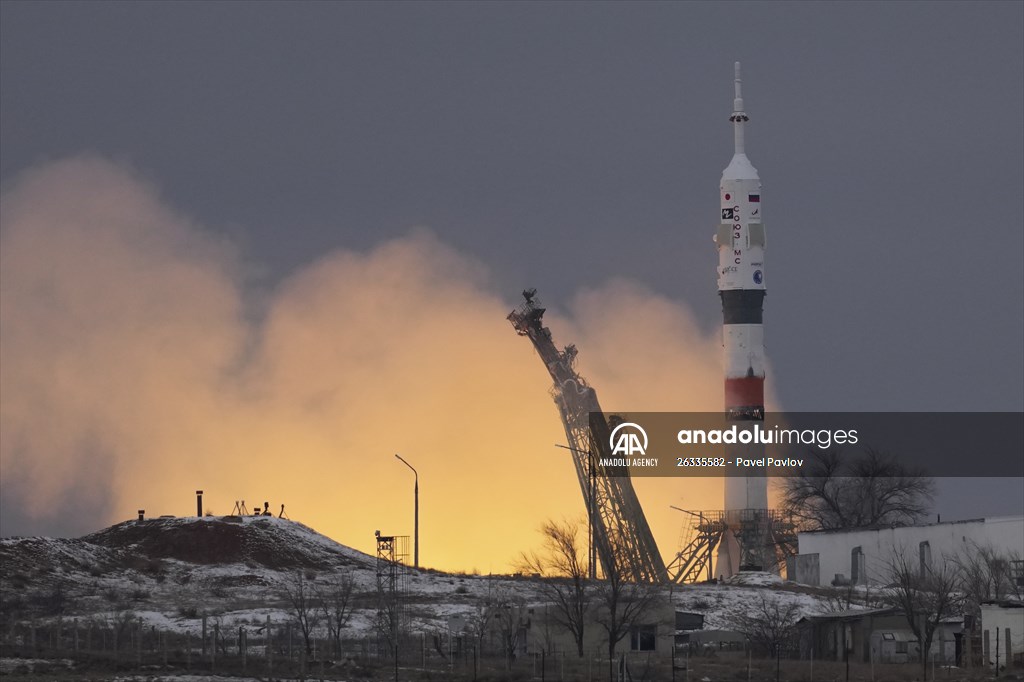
column 621, row 534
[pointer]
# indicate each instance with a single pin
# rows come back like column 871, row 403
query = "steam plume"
column 132, row 375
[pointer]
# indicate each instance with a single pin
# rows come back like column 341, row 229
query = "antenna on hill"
column 240, row 509
column 282, row 515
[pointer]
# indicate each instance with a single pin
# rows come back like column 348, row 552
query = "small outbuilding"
column 879, row 635
column 1002, row 632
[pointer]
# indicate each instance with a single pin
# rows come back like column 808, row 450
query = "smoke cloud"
column 134, row 371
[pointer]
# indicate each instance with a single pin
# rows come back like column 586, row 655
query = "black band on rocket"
column 742, row 306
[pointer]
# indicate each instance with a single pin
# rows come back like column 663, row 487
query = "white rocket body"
column 740, row 239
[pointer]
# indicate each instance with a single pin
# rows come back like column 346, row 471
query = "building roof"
column 1004, row 603
column 848, row 614
column 990, row 519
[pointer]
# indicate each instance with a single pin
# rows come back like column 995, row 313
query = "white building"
column 863, row 556
column 1002, row 631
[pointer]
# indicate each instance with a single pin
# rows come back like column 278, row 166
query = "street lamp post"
column 416, row 512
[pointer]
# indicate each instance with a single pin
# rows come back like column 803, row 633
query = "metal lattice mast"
column 621, row 535
column 392, row 553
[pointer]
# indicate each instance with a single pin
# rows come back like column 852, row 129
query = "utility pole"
column 416, row 512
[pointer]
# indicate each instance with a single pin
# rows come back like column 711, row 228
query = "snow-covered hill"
column 169, row 571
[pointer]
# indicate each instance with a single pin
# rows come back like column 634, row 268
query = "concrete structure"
column 862, row 556
column 1003, row 622
column 875, row 635
column 653, row 636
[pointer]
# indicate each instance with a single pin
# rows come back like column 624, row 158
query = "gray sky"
column 566, row 144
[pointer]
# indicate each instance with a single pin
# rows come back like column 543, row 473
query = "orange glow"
column 130, row 359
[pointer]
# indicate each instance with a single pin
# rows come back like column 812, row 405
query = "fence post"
column 242, row 645
column 75, row 625
column 188, row 650
column 213, row 649
column 269, row 650
column 204, row 635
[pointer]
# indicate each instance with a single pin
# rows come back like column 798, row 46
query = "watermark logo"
column 628, row 439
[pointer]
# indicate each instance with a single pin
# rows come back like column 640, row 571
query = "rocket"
column 740, row 239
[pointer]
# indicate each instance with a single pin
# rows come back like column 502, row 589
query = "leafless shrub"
column 768, row 622
column 842, row 490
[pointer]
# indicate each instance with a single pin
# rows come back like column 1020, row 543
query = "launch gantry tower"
column 765, row 537
column 621, row 538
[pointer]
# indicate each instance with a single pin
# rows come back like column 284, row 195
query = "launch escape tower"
column 621, row 538
column 392, row 559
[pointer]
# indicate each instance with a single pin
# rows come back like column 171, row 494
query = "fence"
column 276, row 650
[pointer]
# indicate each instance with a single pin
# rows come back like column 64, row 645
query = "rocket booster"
column 740, row 239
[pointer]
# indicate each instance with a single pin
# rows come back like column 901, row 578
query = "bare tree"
column 565, row 585
column 510, row 619
column 122, row 623
column 768, row 623
column 840, row 490
column 500, row 615
column 301, row 599
column 621, row 605
column 481, row 620
column 839, row 598
column 926, row 593
column 336, row 604
column 986, row 574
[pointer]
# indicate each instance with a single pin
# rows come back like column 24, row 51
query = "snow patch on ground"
column 14, row 665
column 754, row 579
column 721, row 604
